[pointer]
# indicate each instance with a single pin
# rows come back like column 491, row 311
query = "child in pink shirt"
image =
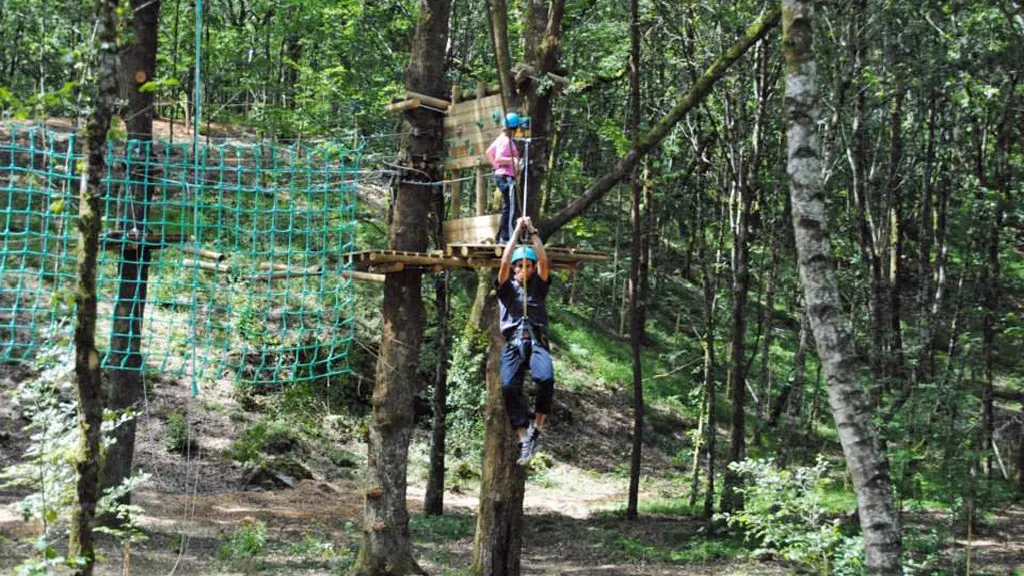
column 504, row 158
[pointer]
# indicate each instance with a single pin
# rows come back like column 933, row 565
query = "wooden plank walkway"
column 462, row 256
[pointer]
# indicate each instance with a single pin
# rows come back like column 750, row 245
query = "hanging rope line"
column 197, row 98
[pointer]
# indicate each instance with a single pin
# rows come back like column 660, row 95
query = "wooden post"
column 481, row 185
column 456, row 188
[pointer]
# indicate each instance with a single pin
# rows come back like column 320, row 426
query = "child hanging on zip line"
column 504, row 158
column 524, row 277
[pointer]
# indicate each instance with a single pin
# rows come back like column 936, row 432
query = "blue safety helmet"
column 524, row 252
column 511, row 120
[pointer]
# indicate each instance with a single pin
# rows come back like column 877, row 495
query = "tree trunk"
column 497, row 24
column 89, row 378
column 731, row 499
column 764, row 402
column 386, row 548
column 138, row 66
column 857, row 155
column 832, row 331
column 497, row 547
column 433, row 500
column 543, row 34
column 710, row 395
column 635, row 322
column 895, row 193
column 923, row 369
column 710, row 276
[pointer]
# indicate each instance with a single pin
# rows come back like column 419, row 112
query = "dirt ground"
column 193, row 506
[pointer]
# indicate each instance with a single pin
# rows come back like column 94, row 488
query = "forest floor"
column 201, row 517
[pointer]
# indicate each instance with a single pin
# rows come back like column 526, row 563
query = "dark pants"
column 514, row 360
column 507, row 185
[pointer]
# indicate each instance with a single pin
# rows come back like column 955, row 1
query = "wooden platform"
column 462, row 256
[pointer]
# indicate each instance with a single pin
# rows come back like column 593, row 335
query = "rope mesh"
column 242, row 260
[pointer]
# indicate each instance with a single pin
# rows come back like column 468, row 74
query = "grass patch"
column 587, row 356
column 313, row 547
column 656, row 507
column 837, row 499
column 440, row 529
column 693, row 551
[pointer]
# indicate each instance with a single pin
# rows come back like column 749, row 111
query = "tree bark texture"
column 138, row 66
column 497, row 24
column 433, row 500
column 386, row 548
column 89, row 378
column 542, row 35
column 861, row 189
column 635, row 328
column 832, row 331
column 497, row 547
column 731, row 499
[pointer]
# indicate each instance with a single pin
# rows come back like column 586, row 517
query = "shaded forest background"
column 922, row 133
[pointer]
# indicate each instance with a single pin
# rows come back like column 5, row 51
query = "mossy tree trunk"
column 832, row 331
column 87, row 359
column 386, row 547
column 138, row 66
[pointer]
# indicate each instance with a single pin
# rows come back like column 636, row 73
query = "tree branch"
column 662, row 127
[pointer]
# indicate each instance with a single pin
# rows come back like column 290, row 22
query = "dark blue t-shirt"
column 510, row 304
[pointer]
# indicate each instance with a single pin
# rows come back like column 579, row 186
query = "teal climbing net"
column 236, row 255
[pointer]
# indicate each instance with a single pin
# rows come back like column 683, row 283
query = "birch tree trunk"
column 832, row 331
column 386, row 548
column 89, row 378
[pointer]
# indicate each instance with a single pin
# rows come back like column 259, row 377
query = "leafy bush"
column 312, row 546
column 176, row 434
column 264, row 437
column 46, row 468
column 246, row 542
column 467, row 395
column 784, row 511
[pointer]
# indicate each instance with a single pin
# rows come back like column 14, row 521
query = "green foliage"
column 46, row 468
column 265, row 437
column 177, row 436
column 784, row 513
column 246, row 542
column 693, row 551
column 444, row 528
column 311, row 546
column 467, row 394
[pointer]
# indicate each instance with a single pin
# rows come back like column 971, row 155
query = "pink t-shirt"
column 502, row 147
